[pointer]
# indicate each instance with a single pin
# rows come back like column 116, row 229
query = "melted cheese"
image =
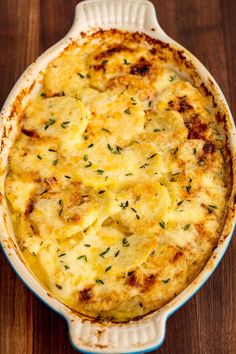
column 117, row 182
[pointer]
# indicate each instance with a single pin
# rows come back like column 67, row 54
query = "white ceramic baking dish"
column 86, row 335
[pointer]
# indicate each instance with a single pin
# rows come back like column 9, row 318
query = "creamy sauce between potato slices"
column 117, row 181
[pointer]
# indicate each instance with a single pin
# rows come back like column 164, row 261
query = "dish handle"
column 134, row 337
column 137, row 15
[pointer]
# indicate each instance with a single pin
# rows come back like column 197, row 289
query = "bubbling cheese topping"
column 117, row 182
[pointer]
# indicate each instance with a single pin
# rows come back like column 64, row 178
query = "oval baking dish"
column 88, row 335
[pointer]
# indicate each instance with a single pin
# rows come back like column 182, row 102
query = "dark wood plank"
column 207, row 323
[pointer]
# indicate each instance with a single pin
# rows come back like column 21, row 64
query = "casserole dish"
column 147, row 333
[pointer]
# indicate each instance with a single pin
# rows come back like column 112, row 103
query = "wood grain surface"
column 207, row 323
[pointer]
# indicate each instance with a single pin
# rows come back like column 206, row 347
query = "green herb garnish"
column 58, row 286
column 166, row 281
column 64, row 125
column 89, row 164
column 106, row 130
column 151, row 157
column 50, row 122
column 124, row 205
column 133, row 101
column 116, row 254
column 126, row 62
column 83, row 257
column 172, row 77
column 162, row 224
column 127, row 111
column 186, row 227
column 99, row 281
column 102, row 254
column 125, row 242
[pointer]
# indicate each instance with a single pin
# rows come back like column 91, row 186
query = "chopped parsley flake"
column 61, row 210
column 212, row 206
column 129, row 174
column 124, row 205
column 64, row 125
column 106, row 130
column 91, row 145
column 126, row 62
column 104, row 62
column 58, row 286
column 81, row 75
column 194, row 151
column 145, row 165
column 87, row 245
column 130, row 273
column 50, row 122
column 133, row 101
column 66, row 176
column 85, row 157
column 172, row 77
column 117, row 150
column 39, row 157
column 149, row 103
column 43, row 94
column 116, row 254
column 188, row 188
column 52, row 150
column 62, row 255
column 102, row 254
column 162, row 224
column 125, row 242
column 55, row 162
column 151, row 157
column 99, row 281
column 67, row 267
column 166, row 281
column 186, row 227
column 88, row 164
column 156, row 130
column 100, row 172
column 108, row 268
column 127, row 111
column 101, row 192
column 83, row 257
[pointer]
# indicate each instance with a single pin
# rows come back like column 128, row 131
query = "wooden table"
column 207, row 323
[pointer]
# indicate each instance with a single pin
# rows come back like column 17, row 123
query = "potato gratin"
column 119, row 176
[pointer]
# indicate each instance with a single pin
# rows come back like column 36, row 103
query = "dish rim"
column 7, row 244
